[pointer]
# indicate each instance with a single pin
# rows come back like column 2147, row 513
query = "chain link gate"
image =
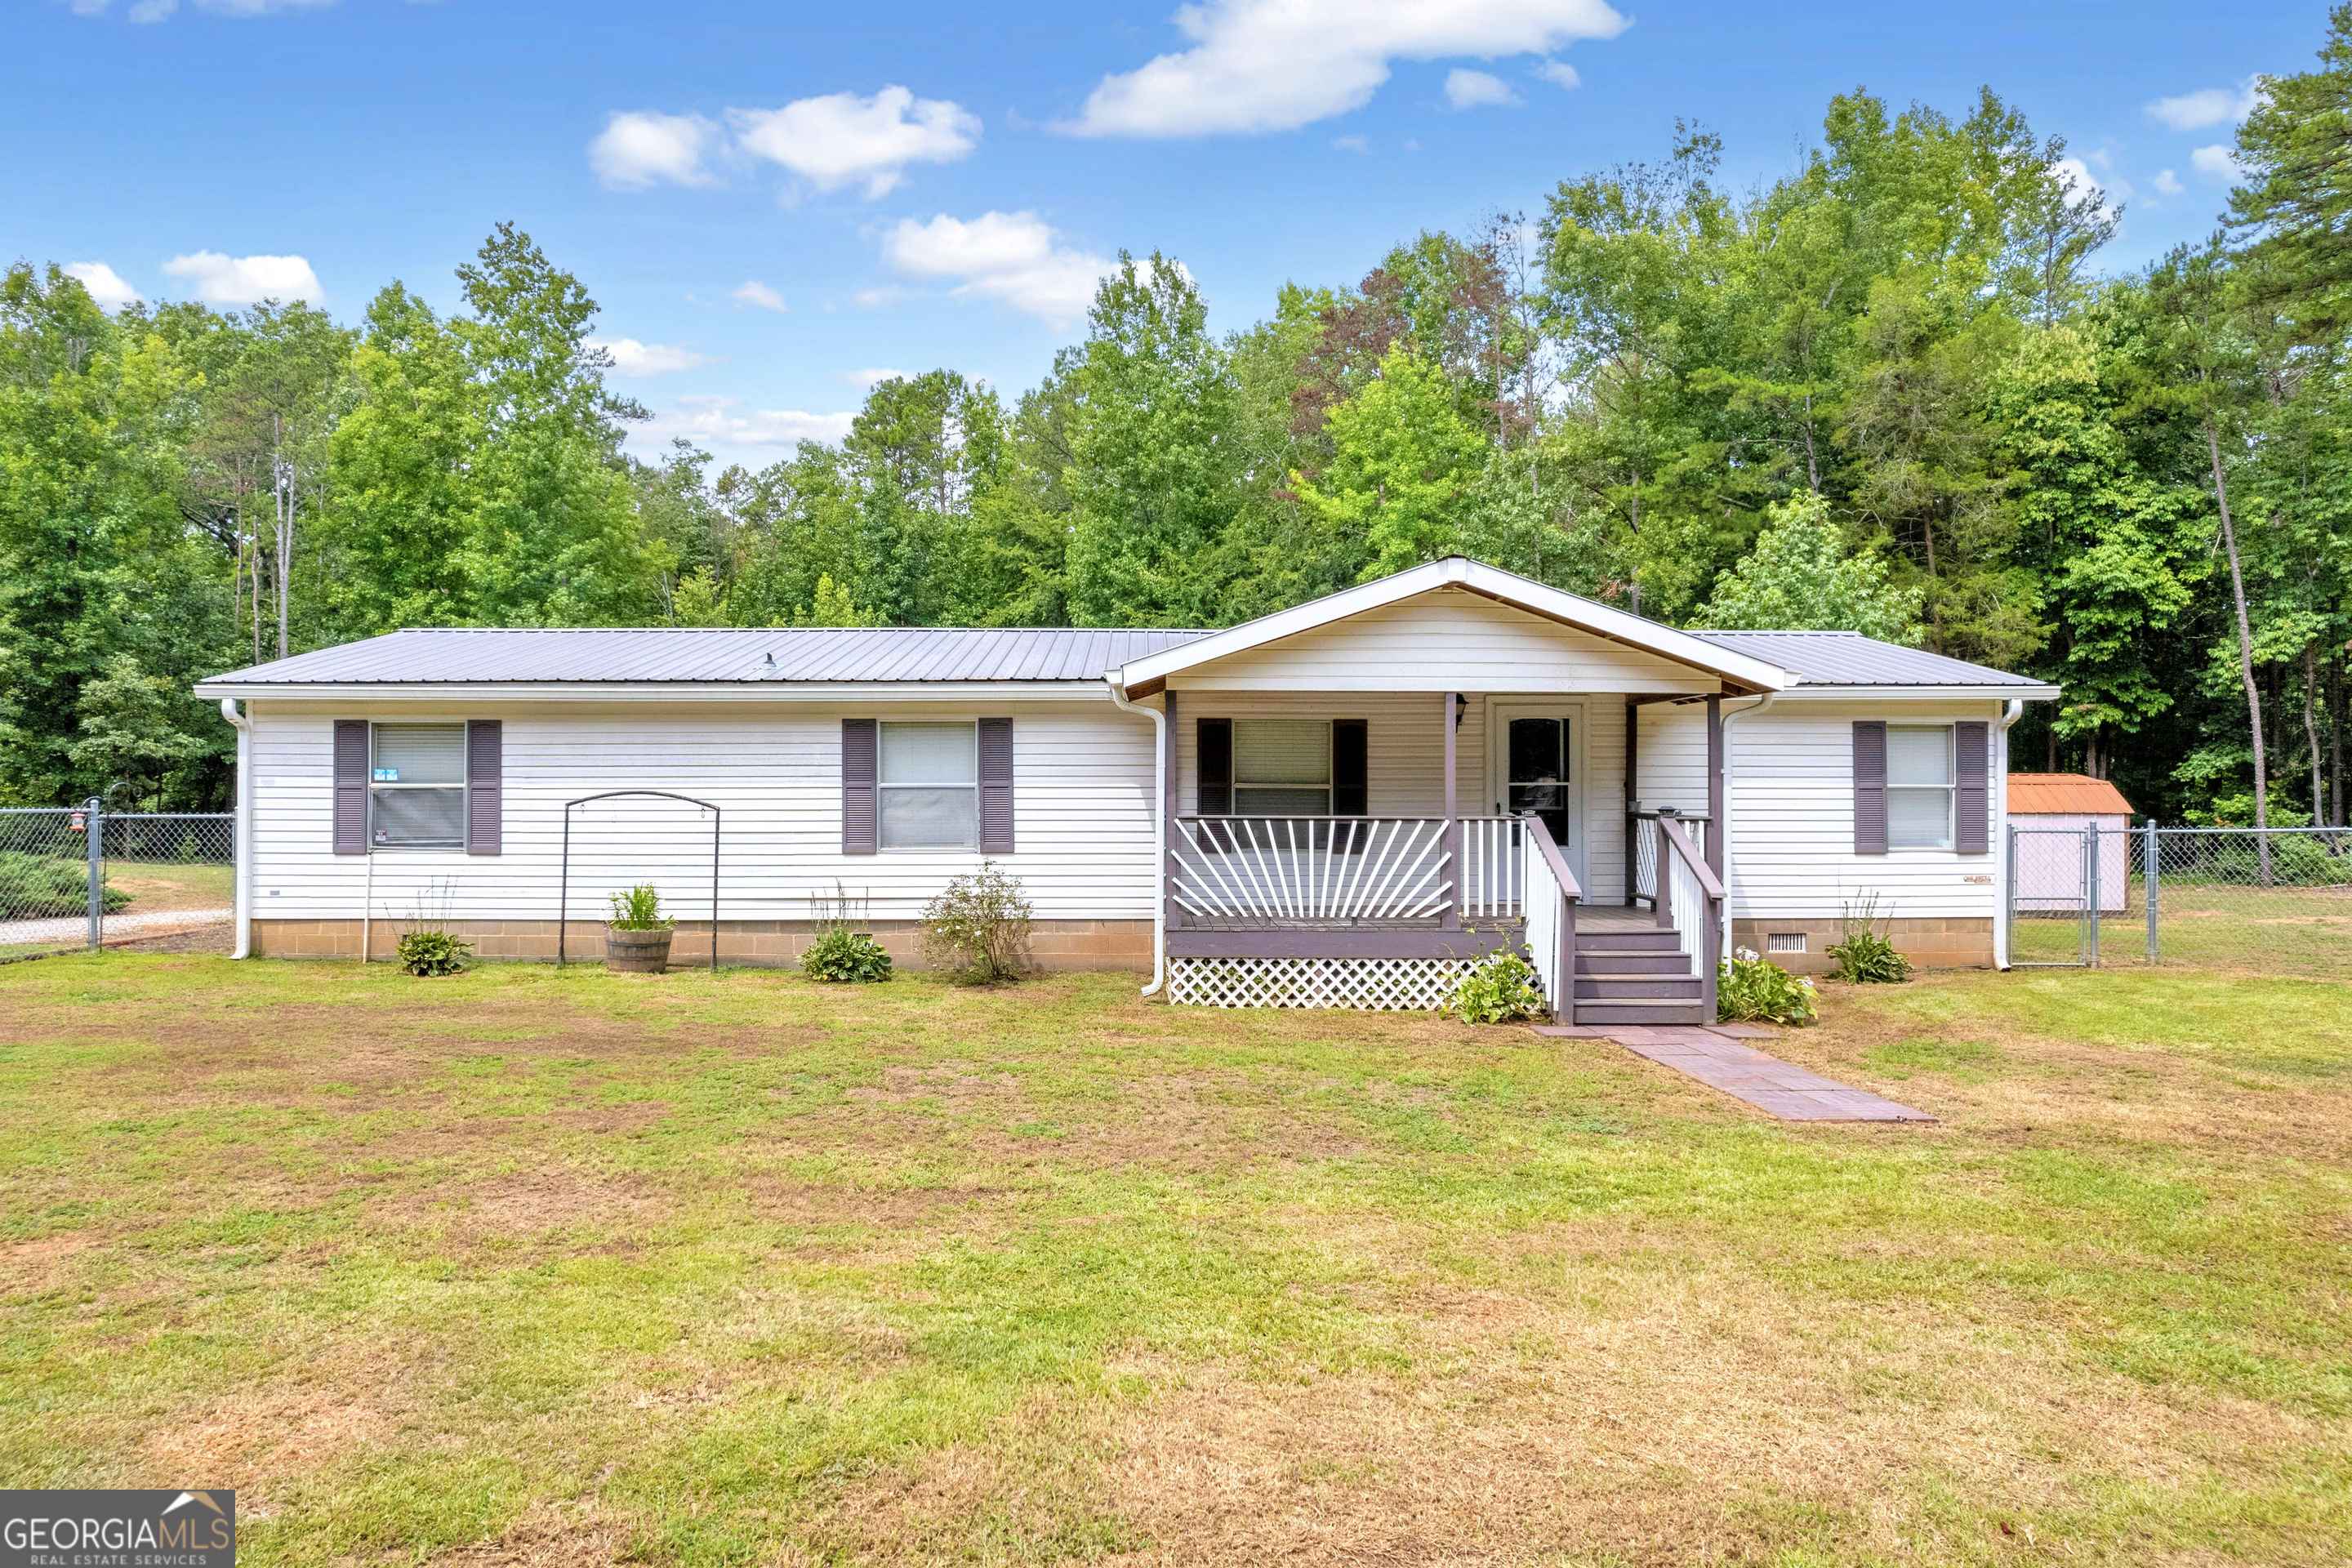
column 77, row 876
column 2056, row 890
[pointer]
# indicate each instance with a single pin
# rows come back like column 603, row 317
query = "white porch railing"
column 1691, row 900
column 1344, row 870
column 1551, row 899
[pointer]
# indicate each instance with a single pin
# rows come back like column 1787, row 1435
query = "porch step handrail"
column 1690, row 899
column 1641, row 881
column 1551, row 897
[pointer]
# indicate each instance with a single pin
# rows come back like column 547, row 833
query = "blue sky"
column 773, row 203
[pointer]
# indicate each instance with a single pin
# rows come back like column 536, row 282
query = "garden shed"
column 2044, row 806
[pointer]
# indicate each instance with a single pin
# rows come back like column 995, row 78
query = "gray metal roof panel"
column 1849, row 658
column 460, row 656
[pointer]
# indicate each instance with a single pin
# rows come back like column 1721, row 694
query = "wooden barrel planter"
column 637, row 951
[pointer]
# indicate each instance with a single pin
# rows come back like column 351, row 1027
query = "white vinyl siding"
column 1446, row 641
column 1790, row 844
column 1082, row 801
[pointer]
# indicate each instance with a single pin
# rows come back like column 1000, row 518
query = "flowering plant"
column 1750, row 988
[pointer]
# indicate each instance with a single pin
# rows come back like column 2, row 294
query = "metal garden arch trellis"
column 563, row 882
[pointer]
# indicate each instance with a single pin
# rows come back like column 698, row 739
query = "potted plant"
column 636, row 939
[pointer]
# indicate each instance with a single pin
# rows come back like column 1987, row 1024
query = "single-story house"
column 1341, row 804
column 2054, row 816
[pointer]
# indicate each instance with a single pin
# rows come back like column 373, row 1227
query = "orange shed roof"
column 2071, row 794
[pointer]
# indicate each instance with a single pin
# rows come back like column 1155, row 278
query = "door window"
column 1536, row 764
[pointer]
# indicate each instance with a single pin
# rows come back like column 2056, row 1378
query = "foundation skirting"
column 753, row 944
column 1954, row 943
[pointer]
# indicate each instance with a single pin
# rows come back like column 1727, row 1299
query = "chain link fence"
column 79, row 878
column 2275, row 901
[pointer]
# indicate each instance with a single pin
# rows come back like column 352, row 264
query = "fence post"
column 2149, row 877
column 93, row 817
column 2098, row 894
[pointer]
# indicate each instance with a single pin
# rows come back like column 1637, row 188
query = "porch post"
column 1173, row 808
column 1633, row 787
column 1451, row 920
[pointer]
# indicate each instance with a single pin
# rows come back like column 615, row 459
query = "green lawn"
column 684, row 1269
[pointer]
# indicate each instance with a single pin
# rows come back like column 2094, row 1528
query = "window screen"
column 417, row 789
column 1919, row 786
column 1282, row 767
column 930, row 786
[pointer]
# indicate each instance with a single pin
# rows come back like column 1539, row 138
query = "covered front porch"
column 1365, row 795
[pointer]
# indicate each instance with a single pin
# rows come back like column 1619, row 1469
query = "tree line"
column 1888, row 391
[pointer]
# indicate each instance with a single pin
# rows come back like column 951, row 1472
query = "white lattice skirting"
column 1403, row 984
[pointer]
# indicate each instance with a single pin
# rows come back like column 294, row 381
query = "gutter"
column 2000, row 851
column 241, row 830
column 1159, row 830
column 1724, row 826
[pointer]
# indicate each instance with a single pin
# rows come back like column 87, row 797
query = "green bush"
column 1500, row 989
column 976, row 931
column 430, row 952
column 1751, row 989
column 33, row 886
column 638, row 909
column 840, row 955
column 1866, row 955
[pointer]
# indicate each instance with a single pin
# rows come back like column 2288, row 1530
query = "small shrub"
column 1866, row 955
column 637, row 909
column 976, row 929
column 430, row 952
column 843, row 956
column 1751, row 989
column 1500, row 989
column 33, row 886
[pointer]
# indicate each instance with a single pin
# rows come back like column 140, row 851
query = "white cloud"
column 640, row 148
column 2219, row 161
column 725, row 420
column 2167, row 184
column 157, row 10
column 2209, row 106
column 1012, row 256
column 872, row 376
column 245, row 279
column 841, row 138
column 1351, row 143
column 1275, row 65
column 1560, row 73
column 107, row 288
column 634, row 361
column 758, row 293
column 2091, row 190
column 1472, row 90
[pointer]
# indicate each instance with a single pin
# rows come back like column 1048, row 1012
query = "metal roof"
column 458, row 656
column 1849, row 658
column 2068, row 794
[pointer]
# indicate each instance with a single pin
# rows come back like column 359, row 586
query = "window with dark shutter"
column 996, row 786
column 857, row 780
column 351, row 786
column 1972, row 806
column 1215, row 767
column 1350, row 768
column 485, row 765
column 1870, row 787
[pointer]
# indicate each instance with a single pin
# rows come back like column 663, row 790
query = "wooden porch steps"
column 1635, row 976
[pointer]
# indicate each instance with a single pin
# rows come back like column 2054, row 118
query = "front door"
column 1535, row 770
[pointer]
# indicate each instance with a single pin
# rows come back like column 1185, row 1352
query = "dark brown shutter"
column 1350, row 768
column 996, row 786
column 485, row 764
column 1213, row 767
column 1972, row 804
column 351, row 786
column 1870, row 787
column 858, row 740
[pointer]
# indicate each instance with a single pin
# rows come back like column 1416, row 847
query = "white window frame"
column 464, row 786
column 883, row 786
column 1239, row 785
column 1949, row 789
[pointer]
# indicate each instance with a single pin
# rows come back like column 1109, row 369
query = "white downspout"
column 1997, row 841
column 1724, row 827
column 241, row 830
column 1159, row 832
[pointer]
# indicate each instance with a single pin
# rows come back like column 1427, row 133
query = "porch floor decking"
column 1770, row 1085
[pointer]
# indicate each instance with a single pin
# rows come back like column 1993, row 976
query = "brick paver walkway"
column 1742, row 1071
